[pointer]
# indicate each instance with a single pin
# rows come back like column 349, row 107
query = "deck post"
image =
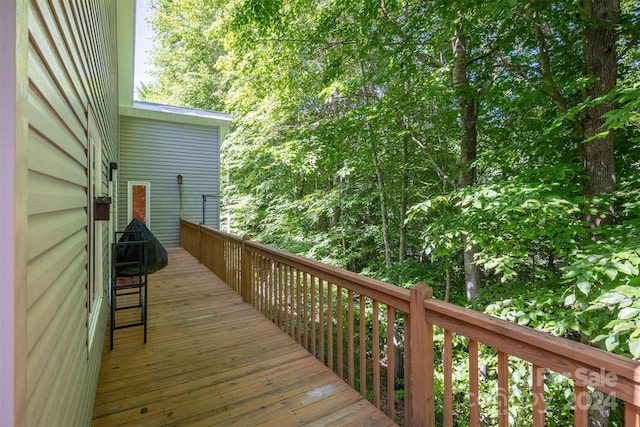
column 246, row 272
column 199, row 255
column 421, row 356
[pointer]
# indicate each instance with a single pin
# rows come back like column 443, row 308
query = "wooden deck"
column 211, row 359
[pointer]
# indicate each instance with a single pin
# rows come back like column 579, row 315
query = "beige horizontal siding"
column 72, row 67
column 157, row 151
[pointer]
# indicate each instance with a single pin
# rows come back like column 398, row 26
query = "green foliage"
column 523, row 225
column 345, row 145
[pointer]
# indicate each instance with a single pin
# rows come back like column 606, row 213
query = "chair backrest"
column 130, row 258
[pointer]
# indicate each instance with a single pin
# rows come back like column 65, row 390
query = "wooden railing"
column 325, row 309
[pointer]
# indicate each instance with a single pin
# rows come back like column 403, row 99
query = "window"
column 95, row 282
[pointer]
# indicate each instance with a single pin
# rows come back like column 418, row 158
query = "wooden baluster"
column 350, row 338
column 270, row 285
column 376, row 354
column 340, row 333
column 262, row 283
column 280, row 296
column 631, row 415
column 230, row 261
column 294, row 303
column 255, row 276
column 224, row 262
column 474, row 405
column 257, row 291
column 391, row 364
column 284, row 302
column 275, row 292
column 291, row 302
column 237, row 266
column 237, row 261
column 448, row 379
column 503, row 389
column 580, row 405
column 305, row 297
column 322, row 318
column 538, row 396
column 363, row 347
column 330, row 325
column 232, row 270
column 299, row 309
column 244, row 265
column 313, row 316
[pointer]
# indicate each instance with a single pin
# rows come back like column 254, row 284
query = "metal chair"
column 129, row 278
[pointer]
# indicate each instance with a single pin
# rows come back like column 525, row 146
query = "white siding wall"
column 157, row 152
column 71, row 65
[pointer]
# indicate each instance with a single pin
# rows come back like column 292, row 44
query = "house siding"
column 157, row 152
column 71, row 67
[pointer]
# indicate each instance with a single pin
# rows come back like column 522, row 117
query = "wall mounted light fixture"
column 112, row 166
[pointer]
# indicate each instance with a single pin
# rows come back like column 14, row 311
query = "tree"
column 391, row 137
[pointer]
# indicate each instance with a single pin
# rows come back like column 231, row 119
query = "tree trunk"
column 600, row 62
column 383, row 207
column 404, row 195
column 467, row 99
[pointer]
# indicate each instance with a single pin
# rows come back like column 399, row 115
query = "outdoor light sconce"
column 112, row 166
column 101, row 209
column 179, row 178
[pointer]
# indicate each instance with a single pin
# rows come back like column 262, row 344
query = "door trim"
column 130, row 185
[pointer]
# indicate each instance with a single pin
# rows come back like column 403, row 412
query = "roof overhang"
column 170, row 113
column 126, row 25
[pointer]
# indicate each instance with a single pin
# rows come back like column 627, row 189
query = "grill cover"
column 157, row 254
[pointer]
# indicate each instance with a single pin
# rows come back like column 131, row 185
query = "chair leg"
column 144, row 312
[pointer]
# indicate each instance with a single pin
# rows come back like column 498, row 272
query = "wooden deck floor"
column 211, row 359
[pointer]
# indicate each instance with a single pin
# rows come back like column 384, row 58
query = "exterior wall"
column 72, row 68
column 13, row 217
column 157, row 152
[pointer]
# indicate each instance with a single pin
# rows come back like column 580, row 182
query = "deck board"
column 211, row 359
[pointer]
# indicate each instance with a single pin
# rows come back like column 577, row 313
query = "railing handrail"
column 586, row 365
column 212, row 231
column 385, row 293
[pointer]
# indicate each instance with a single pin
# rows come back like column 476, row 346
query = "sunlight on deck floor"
column 211, row 359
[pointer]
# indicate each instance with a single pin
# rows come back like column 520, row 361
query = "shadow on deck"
column 211, row 359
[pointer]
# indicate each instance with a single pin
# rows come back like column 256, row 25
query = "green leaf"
column 611, row 298
column 570, row 299
column 634, row 347
column 611, row 343
column 599, row 338
column 611, row 272
column 584, row 285
column 628, row 313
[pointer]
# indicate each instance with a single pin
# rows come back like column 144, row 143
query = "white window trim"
column 95, row 298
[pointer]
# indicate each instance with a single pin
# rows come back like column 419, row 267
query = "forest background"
column 488, row 148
